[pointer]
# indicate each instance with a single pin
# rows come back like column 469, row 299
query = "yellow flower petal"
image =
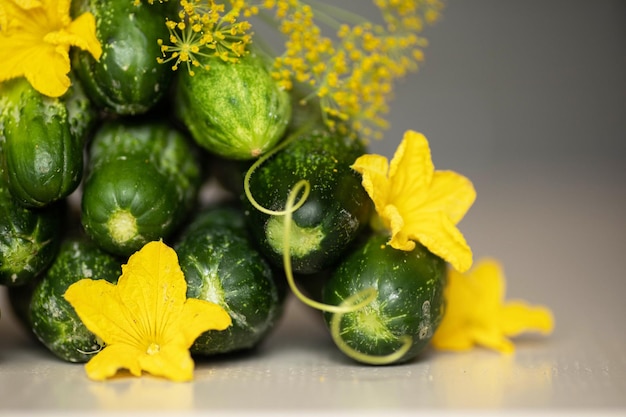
column 99, row 307
column 477, row 314
column 374, row 170
column 47, row 71
column 83, row 31
column 146, row 321
column 172, row 362
column 411, row 170
column 417, row 203
column 437, row 233
column 493, row 339
column 433, row 230
column 451, row 193
column 200, row 316
column 35, row 39
column 27, row 4
column 518, row 317
column 111, row 359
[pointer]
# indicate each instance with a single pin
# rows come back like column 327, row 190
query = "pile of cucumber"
column 123, row 158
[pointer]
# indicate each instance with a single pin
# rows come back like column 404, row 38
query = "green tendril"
column 302, row 187
column 335, row 332
column 369, row 294
column 258, row 163
column 351, row 304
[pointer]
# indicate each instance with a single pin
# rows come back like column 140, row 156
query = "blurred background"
column 530, row 81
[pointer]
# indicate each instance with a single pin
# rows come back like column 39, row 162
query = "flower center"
column 153, row 349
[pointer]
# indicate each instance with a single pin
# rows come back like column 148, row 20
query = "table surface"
column 560, row 242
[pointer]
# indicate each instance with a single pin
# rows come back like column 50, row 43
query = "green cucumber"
column 335, row 212
column 236, row 111
column 127, row 79
column 142, row 182
column 409, row 301
column 222, row 266
column 43, row 141
column 54, row 322
column 29, row 238
column 173, row 153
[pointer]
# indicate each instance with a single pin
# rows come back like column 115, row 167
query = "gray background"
column 533, row 80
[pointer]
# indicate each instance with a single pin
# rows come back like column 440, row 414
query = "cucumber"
column 236, row 111
column 142, row 181
column 222, row 266
column 335, row 212
column 43, row 141
column 167, row 148
column 409, row 302
column 54, row 322
column 29, row 239
column 127, row 79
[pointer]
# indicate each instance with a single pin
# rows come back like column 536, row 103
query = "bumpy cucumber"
column 44, row 138
column 29, row 238
column 236, row 111
column 168, row 149
column 409, row 302
column 222, row 266
column 335, row 212
column 142, row 181
column 127, row 79
column 54, row 322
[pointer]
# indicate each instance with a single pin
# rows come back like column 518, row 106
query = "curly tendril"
column 351, row 304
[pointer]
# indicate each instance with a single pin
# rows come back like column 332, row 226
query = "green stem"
column 368, row 294
column 333, row 16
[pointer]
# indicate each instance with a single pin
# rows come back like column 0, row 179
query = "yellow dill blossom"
column 477, row 314
column 145, row 320
column 417, row 203
column 353, row 77
column 206, row 28
column 35, row 40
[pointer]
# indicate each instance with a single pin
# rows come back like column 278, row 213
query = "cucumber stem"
column 335, row 332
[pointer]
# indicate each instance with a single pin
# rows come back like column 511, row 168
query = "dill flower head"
column 206, row 28
column 351, row 74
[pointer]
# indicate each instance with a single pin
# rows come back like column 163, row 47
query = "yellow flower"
column 476, row 313
column 145, row 321
column 417, row 203
column 35, row 39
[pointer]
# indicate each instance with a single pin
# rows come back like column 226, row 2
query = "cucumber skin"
column 127, row 79
column 133, row 185
column 168, row 149
column 410, row 297
column 43, row 141
column 54, row 322
column 216, row 246
column 337, row 202
column 29, row 239
column 149, row 169
column 236, row 111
